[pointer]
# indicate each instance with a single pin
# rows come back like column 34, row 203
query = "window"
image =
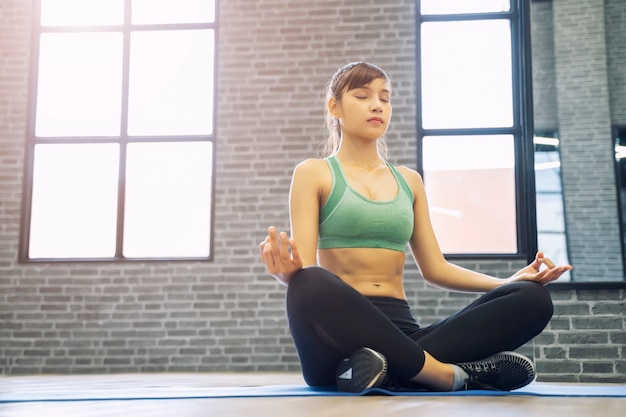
column 551, row 231
column 474, row 136
column 619, row 133
column 120, row 143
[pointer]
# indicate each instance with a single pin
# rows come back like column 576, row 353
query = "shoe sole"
column 504, row 371
column 369, row 369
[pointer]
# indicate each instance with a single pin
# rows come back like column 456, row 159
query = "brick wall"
column 227, row 315
column 545, row 104
column 615, row 14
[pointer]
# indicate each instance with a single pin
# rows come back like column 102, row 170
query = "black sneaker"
column 365, row 369
column 504, row 371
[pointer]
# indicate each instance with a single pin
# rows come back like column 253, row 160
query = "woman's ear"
column 333, row 108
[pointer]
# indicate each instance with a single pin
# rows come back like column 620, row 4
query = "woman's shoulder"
column 412, row 177
column 313, row 175
column 312, row 166
column 408, row 173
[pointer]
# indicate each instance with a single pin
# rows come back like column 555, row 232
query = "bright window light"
column 79, row 91
column 122, row 140
column 466, row 74
column 463, row 6
column 74, row 201
column 172, row 11
column 470, row 183
column 171, row 87
column 168, row 199
column 82, row 12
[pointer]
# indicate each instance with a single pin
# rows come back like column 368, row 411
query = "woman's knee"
column 309, row 283
column 537, row 298
column 309, row 279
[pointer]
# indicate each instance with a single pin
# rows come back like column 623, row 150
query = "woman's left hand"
column 535, row 273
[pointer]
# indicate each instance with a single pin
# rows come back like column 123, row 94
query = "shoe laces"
column 481, row 366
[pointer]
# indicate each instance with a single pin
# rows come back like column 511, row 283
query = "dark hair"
column 349, row 77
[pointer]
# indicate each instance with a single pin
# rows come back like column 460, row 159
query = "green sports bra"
column 350, row 220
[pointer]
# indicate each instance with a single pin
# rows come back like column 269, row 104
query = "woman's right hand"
column 280, row 255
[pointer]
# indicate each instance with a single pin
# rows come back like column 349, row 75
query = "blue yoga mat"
column 161, row 392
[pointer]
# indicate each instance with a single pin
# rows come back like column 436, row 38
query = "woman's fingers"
column 279, row 253
column 262, row 247
column 553, row 273
column 297, row 262
column 284, row 247
column 547, row 262
column 536, row 264
column 273, row 237
column 268, row 258
column 269, row 250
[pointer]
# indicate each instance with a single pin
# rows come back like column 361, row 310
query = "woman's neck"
column 365, row 157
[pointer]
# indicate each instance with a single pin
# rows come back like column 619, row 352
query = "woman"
column 352, row 215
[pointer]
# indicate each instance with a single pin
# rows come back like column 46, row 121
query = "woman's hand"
column 533, row 272
column 280, row 255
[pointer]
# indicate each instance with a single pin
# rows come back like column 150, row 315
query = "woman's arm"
column 437, row 271
column 280, row 254
column 304, row 206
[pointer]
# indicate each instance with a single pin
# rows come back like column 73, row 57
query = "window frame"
column 522, row 129
column 123, row 139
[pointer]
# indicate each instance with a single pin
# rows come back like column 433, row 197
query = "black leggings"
column 329, row 320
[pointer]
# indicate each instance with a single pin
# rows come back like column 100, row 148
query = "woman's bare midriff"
column 372, row 272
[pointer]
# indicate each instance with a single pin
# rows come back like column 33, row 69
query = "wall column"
column 587, row 156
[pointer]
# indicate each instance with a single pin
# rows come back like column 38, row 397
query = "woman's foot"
column 504, row 371
column 364, row 369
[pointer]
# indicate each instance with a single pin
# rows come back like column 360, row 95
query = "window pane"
column 168, row 199
column 466, row 74
column 173, row 11
column 549, row 197
column 171, row 83
column 620, row 177
column 470, row 183
column 79, row 84
column 463, row 6
column 82, row 12
column 74, row 206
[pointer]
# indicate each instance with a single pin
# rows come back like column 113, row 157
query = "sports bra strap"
column 338, row 188
column 400, row 179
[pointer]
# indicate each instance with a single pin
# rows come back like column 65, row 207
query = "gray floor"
column 435, row 406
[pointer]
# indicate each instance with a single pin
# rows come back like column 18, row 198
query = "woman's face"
column 365, row 111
